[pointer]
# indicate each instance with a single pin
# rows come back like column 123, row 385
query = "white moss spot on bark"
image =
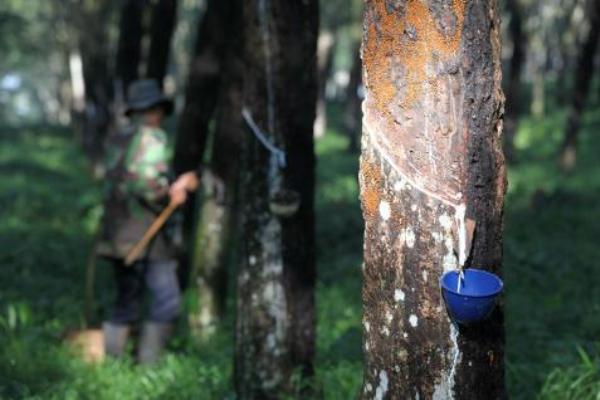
column 445, row 221
column 410, row 237
column 384, row 210
column 389, row 316
column 413, row 320
column 399, row 295
column 367, row 326
column 383, row 386
column 399, row 185
column 252, row 260
column 407, row 237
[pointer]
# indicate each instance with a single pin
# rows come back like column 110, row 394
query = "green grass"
column 48, row 211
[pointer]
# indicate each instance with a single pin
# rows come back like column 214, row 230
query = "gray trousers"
column 159, row 278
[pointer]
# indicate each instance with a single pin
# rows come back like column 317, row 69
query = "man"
column 138, row 188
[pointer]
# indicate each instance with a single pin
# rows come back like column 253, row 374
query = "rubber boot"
column 153, row 340
column 115, row 338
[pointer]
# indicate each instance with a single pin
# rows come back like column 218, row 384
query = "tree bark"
column 202, row 88
column 164, row 16
column 94, row 47
column 519, row 41
column 352, row 109
column 275, row 327
column 431, row 157
column 583, row 77
column 325, row 53
column 130, row 43
column 218, row 213
column 201, row 94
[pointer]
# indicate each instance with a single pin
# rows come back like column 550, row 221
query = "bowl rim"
column 494, row 276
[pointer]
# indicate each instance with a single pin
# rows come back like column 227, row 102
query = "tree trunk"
column 275, row 329
column 202, row 88
column 583, row 78
column 201, row 96
column 325, row 53
column 95, row 55
column 431, row 157
column 352, row 109
column 538, row 95
column 164, row 15
column 130, row 41
column 513, row 87
column 218, row 213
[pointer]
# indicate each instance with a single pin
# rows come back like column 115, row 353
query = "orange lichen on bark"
column 371, row 177
column 407, row 44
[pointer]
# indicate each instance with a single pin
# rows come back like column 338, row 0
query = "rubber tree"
column 129, row 48
column 353, row 100
column 431, row 162
column 202, row 88
column 517, row 61
column 218, row 214
column 275, row 326
column 164, row 16
column 326, row 44
column 201, row 94
column 583, row 77
column 94, row 46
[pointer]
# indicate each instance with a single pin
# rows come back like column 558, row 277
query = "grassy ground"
column 47, row 216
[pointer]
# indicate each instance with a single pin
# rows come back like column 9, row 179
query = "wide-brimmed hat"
column 144, row 94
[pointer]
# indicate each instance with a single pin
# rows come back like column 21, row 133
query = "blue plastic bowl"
column 479, row 291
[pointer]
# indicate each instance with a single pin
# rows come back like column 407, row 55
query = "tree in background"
column 164, row 15
column 91, row 21
column 129, row 48
column 275, row 327
column 431, row 159
column 583, row 78
column 202, row 88
column 352, row 111
column 201, row 97
column 218, row 214
column 339, row 32
column 513, row 86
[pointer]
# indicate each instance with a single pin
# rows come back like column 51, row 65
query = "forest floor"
column 48, row 211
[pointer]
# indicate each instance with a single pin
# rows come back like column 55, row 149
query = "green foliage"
column 552, row 286
column 580, row 381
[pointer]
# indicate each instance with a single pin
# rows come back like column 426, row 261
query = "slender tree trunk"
column 352, row 111
column 218, row 213
column 164, row 15
column 77, row 85
column 202, row 87
column 583, row 78
column 201, row 96
column 431, row 157
column 95, row 55
column 129, row 46
column 538, row 95
column 275, row 293
column 566, row 45
column 325, row 53
column 513, row 87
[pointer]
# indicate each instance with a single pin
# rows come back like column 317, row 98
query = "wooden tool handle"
column 139, row 247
